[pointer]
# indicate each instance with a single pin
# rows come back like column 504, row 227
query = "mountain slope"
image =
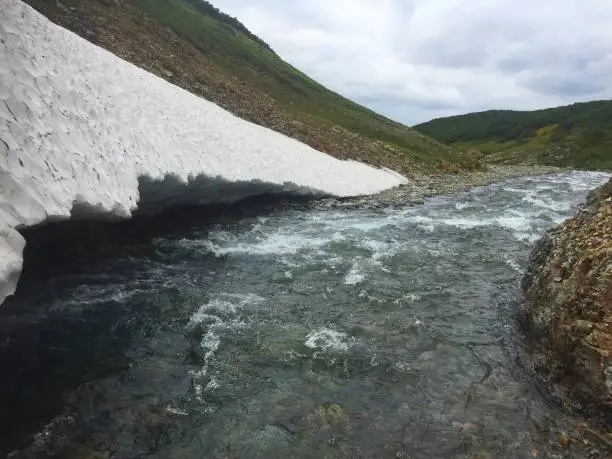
column 193, row 45
column 578, row 135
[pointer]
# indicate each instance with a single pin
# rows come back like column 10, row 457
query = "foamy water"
column 367, row 333
column 328, row 339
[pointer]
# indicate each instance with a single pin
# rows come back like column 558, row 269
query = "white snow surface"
column 84, row 134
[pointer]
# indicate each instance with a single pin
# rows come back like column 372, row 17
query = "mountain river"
column 297, row 333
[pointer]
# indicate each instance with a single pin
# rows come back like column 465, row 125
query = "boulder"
column 567, row 312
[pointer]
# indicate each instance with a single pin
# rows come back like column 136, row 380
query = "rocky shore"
column 422, row 186
column 567, row 313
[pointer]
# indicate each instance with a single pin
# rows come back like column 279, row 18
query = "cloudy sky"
column 414, row 60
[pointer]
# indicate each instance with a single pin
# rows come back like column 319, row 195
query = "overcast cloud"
column 414, row 60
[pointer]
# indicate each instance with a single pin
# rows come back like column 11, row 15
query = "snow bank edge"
column 81, row 129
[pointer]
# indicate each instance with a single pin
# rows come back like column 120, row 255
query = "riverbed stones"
column 422, row 186
column 567, row 313
column 271, row 441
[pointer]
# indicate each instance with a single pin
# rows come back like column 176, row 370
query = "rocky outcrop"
column 567, row 314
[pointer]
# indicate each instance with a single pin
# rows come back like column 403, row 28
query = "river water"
column 301, row 333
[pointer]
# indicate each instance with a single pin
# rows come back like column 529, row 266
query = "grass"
column 578, row 135
column 252, row 60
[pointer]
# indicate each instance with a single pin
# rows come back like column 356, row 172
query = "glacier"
column 87, row 135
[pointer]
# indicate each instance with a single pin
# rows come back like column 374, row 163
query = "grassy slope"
column 216, row 57
column 578, row 135
column 250, row 60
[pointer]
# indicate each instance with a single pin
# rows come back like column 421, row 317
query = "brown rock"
column 569, row 323
column 563, row 440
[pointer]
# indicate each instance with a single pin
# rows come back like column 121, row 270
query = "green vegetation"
column 578, row 135
column 206, row 8
column 231, row 46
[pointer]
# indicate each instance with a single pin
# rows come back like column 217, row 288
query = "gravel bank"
column 424, row 186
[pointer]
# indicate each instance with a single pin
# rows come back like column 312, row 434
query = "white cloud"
column 417, row 59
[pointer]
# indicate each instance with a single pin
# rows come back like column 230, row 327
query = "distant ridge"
column 207, row 8
column 577, row 135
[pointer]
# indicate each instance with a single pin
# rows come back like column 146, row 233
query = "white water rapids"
column 296, row 333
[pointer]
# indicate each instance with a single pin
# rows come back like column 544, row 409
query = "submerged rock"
column 567, row 313
column 270, row 442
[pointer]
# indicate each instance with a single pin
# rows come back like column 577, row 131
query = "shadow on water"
column 69, row 244
column 50, row 346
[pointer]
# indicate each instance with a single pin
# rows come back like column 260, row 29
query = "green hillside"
column 233, row 47
column 251, row 59
column 578, row 135
column 194, row 45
